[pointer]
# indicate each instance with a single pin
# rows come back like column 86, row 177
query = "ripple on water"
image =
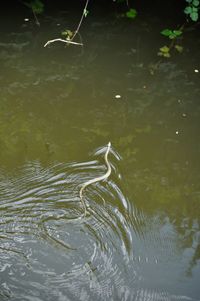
column 50, row 251
column 44, row 233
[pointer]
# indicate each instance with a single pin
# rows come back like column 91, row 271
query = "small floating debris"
column 177, row 132
column 184, row 115
column 196, row 70
column 118, row 96
column 26, row 19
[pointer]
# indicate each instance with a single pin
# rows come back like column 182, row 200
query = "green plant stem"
column 36, row 18
column 171, row 45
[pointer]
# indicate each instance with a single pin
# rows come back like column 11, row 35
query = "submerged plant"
column 172, row 35
column 37, row 8
column 131, row 13
column 68, row 34
column 164, row 51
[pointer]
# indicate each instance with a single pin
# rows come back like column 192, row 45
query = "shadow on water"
column 140, row 240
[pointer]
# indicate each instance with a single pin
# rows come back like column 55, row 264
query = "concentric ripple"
column 47, row 244
column 50, row 251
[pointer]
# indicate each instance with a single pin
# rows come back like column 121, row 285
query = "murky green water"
column 58, row 111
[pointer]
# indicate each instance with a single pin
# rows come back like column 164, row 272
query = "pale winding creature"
column 101, row 178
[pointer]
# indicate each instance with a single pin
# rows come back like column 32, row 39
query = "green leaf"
column 85, row 12
column 172, row 36
column 164, row 49
column 64, row 33
column 37, row 6
column 167, row 54
column 194, row 9
column 166, row 32
column 178, row 48
column 164, row 54
column 194, row 16
column 177, row 32
column 195, row 3
column 67, row 33
column 188, row 10
column 132, row 13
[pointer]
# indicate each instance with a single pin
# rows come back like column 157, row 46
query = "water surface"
column 58, row 111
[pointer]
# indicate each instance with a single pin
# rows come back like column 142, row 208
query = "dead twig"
column 70, row 41
column 62, row 40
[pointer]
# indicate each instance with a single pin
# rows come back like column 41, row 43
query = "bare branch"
column 62, row 40
column 70, row 41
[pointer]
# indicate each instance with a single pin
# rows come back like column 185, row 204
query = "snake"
column 98, row 179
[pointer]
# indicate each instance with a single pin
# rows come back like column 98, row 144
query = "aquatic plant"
column 192, row 9
column 70, row 35
column 37, row 8
column 173, row 35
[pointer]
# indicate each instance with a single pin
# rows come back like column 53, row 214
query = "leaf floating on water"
column 164, row 51
column 67, row 33
column 166, row 32
column 171, row 34
column 131, row 14
column 178, row 48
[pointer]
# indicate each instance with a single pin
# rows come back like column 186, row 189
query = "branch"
column 75, row 33
column 62, row 40
column 81, row 20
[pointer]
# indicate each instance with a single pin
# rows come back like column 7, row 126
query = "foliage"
column 68, row 34
column 164, row 51
column 131, row 14
column 192, row 9
column 171, row 34
column 36, row 5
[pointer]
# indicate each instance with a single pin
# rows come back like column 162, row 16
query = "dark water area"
column 59, row 107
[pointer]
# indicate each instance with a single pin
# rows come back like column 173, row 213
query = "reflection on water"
column 42, row 238
column 140, row 240
column 110, row 254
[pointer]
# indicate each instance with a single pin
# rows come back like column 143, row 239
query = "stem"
column 171, row 45
column 36, row 19
column 75, row 33
column 81, row 20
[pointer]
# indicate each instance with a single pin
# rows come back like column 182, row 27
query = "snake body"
column 101, row 178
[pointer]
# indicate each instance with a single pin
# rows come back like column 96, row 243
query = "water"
column 58, row 111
